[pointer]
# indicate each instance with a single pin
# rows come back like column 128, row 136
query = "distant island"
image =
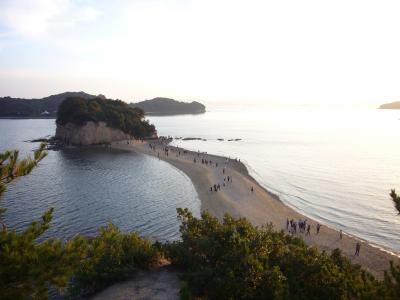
column 167, row 106
column 47, row 107
column 392, row 105
column 37, row 108
column 83, row 121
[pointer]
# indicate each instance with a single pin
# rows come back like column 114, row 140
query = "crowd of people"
column 292, row 226
column 304, row 227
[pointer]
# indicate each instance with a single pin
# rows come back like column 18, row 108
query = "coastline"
column 259, row 207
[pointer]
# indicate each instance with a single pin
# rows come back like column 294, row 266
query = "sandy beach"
column 260, row 206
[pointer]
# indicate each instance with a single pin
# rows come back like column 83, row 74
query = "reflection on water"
column 89, row 187
column 335, row 166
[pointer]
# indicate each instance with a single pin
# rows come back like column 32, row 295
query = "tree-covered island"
column 98, row 120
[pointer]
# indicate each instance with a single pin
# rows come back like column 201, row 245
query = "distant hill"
column 166, row 106
column 392, row 105
column 47, row 107
column 37, row 108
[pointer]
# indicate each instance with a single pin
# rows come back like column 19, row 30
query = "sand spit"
column 258, row 206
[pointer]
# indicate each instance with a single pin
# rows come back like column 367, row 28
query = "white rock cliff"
column 90, row 134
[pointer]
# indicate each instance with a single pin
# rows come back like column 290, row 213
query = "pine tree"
column 28, row 268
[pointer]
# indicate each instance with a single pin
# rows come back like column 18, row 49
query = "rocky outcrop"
column 89, row 134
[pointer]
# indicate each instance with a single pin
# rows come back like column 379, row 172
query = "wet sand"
column 260, row 206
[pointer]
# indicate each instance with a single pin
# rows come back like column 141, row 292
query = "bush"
column 233, row 259
column 110, row 257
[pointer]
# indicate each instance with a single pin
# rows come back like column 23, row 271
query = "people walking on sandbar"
column 340, row 234
column 358, row 247
column 215, row 187
column 308, row 229
column 287, row 223
column 252, row 190
column 318, row 228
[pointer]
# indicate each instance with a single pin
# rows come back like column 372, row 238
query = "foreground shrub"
column 111, row 256
column 234, row 260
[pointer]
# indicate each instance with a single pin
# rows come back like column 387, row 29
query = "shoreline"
column 259, row 207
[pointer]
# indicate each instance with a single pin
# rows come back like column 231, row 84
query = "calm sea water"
column 335, row 166
column 90, row 187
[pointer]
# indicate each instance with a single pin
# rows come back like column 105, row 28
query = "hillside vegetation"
column 166, row 106
column 117, row 114
column 36, row 108
column 47, row 107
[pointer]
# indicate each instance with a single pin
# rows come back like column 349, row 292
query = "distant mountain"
column 392, row 105
column 166, row 106
column 37, row 108
column 47, row 107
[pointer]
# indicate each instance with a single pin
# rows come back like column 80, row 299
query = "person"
column 340, row 234
column 223, row 171
column 358, row 246
column 287, row 223
column 318, row 227
column 210, row 189
column 308, row 229
column 252, row 190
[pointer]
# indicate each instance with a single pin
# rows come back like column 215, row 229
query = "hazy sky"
column 270, row 52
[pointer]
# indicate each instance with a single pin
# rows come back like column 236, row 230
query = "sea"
column 89, row 187
column 335, row 166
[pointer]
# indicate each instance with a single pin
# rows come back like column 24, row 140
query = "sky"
column 286, row 52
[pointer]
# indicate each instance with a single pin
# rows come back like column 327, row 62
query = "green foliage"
column 81, row 265
column 28, row 268
column 112, row 256
column 396, row 200
column 11, row 167
column 115, row 113
column 234, row 260
column 392, row 282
